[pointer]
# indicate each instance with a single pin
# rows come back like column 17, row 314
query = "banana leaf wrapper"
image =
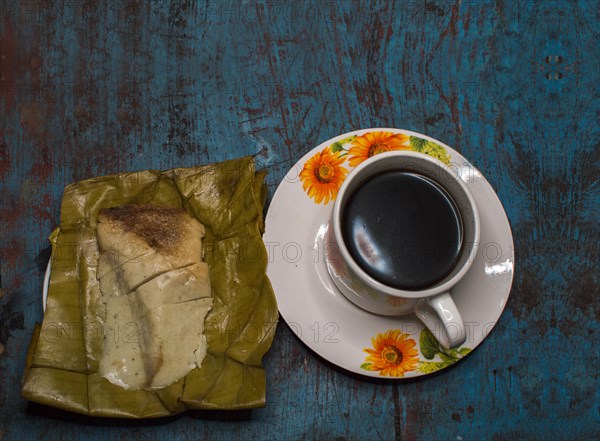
column 65, row 350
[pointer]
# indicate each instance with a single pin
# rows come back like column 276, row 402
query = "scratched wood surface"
column 90, row 88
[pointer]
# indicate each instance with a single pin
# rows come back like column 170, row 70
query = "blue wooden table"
column 90, row 88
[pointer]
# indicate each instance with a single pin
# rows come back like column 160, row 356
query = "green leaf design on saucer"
column 430, row 348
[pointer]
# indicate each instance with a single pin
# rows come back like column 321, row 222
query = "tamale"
column 165, row 310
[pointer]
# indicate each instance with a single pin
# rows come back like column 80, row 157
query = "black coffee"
column 403, row 229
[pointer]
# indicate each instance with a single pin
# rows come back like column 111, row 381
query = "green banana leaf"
column 65, row 350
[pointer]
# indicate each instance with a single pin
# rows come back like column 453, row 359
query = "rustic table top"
column 91, row 88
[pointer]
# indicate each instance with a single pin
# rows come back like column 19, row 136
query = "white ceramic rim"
column 366, row 278
column 46, row 283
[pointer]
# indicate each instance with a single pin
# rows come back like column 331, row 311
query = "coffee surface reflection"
column 403, row 229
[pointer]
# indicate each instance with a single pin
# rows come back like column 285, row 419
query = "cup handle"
column 441, row 309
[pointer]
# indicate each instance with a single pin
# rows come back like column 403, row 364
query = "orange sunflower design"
column 322, row 175
column 372, row 143
column 393, row 354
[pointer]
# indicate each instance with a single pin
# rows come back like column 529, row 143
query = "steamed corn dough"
column 157, row 295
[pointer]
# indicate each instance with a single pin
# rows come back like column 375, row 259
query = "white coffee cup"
column 433, row 305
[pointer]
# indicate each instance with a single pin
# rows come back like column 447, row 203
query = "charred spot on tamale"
column 157, row 225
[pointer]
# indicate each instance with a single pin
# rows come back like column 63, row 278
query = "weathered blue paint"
column 90, row 88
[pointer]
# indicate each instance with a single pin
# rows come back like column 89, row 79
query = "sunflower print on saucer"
column 394, row 354
column 373, row 143
column 323, row 174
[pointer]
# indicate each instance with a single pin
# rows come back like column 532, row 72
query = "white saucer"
column 340, row 332
column 45, row 286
